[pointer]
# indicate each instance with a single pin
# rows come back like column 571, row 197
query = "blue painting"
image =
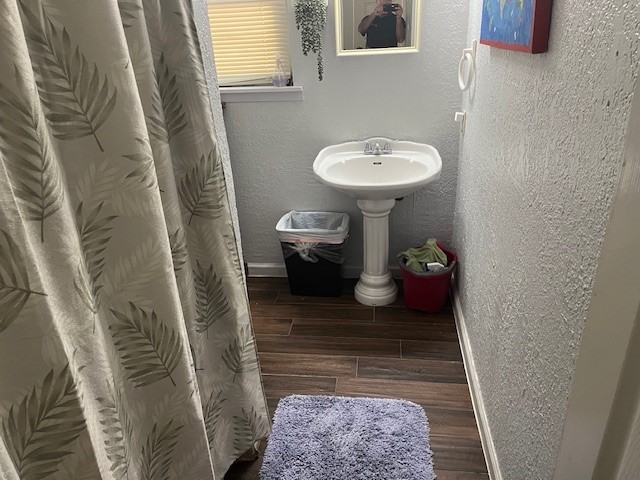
column 516, row 24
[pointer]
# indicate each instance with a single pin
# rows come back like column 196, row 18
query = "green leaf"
column 85, row 289
column 145, row 171
column 94, row 237
column 158, row 451
column 35, row 175
column 202, row 190
column 178, row 243
column 81, row 466
column 192, row 464
column 14, row 281
column 211, row 302
column 240, row 355
column 211, row 412
column 128, row 12
column 97, row 183
column 155, row 121
column 247, row 428
column 149, row 350
column 39, row 430
column 169, row 118
column 117, row 430
column 190, row 34
column 232, row 248
column 77, row 97
column 134, row 272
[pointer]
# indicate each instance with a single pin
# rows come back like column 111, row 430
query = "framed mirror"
column 377, row 27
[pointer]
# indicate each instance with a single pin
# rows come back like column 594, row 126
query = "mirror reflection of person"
column 384, row 27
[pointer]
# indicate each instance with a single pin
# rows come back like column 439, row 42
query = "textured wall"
column 411, row 96
column 538, row 169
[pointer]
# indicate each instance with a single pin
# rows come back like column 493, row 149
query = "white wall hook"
column 461, row 118
column 468, row 57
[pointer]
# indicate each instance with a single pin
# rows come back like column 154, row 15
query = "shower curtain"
column 126, row 349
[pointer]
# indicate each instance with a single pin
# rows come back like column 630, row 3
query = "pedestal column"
column 376, row 286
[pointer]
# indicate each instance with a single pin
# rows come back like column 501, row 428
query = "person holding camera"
column 384, row 27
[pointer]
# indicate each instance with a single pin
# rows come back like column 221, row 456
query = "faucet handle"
column 386, row 148
column 368, row 148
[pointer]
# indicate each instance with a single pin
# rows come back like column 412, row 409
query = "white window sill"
column 261, row 94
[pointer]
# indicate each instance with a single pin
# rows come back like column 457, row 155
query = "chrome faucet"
column 377, row 150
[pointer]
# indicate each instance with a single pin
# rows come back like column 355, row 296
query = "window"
column 248, row 36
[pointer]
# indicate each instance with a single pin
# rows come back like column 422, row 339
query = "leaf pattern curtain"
column 125, row 340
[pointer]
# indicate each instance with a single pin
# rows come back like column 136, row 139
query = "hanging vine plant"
column 311, row 17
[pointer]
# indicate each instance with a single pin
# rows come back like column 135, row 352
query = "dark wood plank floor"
column 336, row 346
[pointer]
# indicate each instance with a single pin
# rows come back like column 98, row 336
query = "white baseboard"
column 488, row 447
column 266, row 270
column 279, row 270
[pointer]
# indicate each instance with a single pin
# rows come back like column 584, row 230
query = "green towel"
column 417, row 258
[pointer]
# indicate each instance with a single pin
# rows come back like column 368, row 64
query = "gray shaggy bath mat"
column 339, row 438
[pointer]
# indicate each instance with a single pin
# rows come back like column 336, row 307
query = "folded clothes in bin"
column 427, row 291
column 418, row 259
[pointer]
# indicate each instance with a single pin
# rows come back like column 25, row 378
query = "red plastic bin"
column 428, row 291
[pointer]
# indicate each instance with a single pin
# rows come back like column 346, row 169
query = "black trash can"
column 313, row 246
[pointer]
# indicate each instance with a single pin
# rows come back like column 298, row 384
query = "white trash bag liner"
column 313, row 227
column 314, row 235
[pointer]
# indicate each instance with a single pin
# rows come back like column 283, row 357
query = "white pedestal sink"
column 375, row 180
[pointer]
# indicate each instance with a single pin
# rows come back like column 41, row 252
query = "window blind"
column 248, row 36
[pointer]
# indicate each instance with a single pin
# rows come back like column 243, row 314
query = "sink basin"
column 408, row 168
column 375, row 181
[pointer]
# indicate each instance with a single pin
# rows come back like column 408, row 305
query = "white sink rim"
column 354, row 150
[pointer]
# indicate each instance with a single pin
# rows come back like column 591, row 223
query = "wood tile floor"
column 336, row 346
